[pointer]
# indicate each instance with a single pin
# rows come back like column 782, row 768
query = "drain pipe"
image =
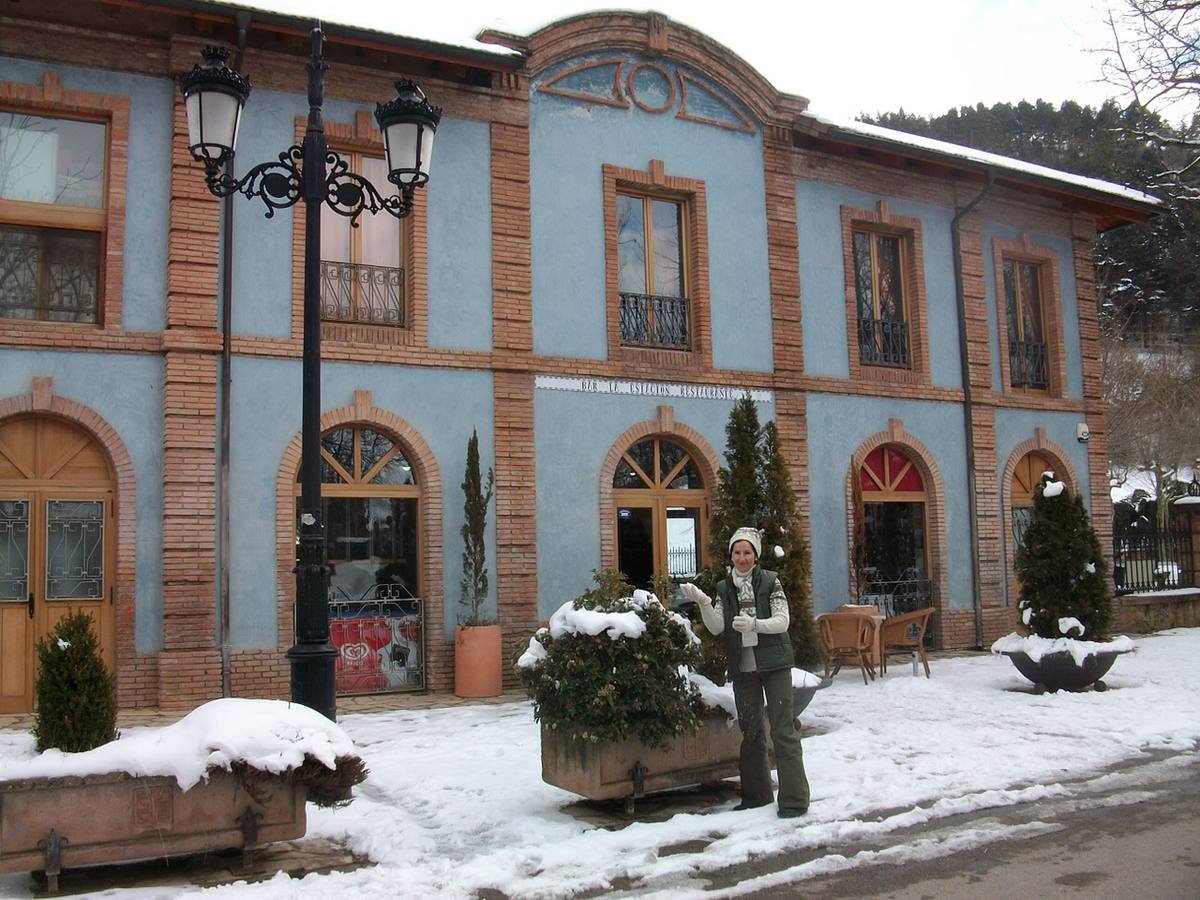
column 969, row 402
column 243, row 25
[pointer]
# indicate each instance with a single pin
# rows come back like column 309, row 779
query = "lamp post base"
column 313, row 677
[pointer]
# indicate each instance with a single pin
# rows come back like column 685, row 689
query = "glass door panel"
column 75, row 566
column 683, row 542
column 16, row 606
column 635, row 544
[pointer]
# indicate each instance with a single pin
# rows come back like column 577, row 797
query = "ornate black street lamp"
column 214, row 95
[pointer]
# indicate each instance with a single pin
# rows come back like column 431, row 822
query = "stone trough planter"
column 629, row 769
column 49, row 824
column 1060, row 672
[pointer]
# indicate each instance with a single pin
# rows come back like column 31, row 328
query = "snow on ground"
column 455, row 801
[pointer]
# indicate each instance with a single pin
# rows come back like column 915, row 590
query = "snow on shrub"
column 613, row 665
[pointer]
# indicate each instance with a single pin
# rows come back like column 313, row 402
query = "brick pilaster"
column 516, row 513
column 512, row 294
column 189, row 664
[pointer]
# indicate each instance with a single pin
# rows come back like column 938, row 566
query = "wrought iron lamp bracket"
column 281, row 184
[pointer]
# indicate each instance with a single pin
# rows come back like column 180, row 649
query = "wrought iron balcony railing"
column 653, row 321
column 882, row 342
column 1027, row 364
column 360, row 294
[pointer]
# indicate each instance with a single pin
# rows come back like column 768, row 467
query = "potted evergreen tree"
column 1066, row 606
column 477, row 637
column 756, row 489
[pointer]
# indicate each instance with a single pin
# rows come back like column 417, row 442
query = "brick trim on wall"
column 137, row 674
column 691, row 193
column 1025, row 250
column 881, row 221
column 663, row 425
column 935, row 515
column 50, row 99
column 439, row 658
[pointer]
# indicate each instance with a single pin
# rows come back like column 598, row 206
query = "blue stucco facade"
column 513, row 332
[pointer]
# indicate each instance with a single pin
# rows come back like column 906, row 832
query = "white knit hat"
column 752, row 536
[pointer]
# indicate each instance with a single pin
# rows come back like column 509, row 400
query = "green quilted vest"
column 774, row 651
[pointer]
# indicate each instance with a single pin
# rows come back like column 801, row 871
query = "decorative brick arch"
column 702, row 452
column 652, row 33
column 439, row 658
column 42, row 401
column 1040, row 444
column 935, row 510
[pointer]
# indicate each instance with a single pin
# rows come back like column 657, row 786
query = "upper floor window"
column 884, row 285
column 1027, row 365
column 652, row 283
column 53, row 217
column 363, row 269
column 880, row 298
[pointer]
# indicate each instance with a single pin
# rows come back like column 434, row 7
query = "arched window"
column 1026, row 477
column 370, row 504
column 895, row 544
column 661, row 503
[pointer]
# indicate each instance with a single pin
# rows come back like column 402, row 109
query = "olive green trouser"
column 748, row 691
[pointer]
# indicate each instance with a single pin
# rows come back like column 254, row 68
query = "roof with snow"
column 500, row 48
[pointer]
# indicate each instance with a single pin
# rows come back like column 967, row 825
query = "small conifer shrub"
column 76, row 694
column 1061, row 568
column 477, row 495
column 595, row 688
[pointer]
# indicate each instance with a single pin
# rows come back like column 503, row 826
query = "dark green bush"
column 598, row 689
column 1062, row 570
column 76, row 694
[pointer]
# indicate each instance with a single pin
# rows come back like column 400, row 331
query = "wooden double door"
column 57, row 539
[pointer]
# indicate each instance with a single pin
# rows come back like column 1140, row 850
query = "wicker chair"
column 906, row 633
column 847, row 636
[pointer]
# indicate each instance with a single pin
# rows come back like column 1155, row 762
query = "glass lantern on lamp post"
column 214, row 96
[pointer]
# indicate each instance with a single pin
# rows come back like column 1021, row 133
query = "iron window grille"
column 653, row 321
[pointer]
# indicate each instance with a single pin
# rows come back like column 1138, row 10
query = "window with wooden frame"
column 880, row 298
column 1029, row 319
column 885, row 295
column 1025, row 316
column 651, row 259
column 363, row 268
column 656, row 268
column 53, row 216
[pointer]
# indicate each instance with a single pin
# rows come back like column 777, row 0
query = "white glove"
column 743, row 623
column 693, row 593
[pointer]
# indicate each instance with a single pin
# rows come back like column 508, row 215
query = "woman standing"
column 751, row 610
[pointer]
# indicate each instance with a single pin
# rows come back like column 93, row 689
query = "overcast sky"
column 846, row 56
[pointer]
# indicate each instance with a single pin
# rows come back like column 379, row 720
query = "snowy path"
column 455, row 801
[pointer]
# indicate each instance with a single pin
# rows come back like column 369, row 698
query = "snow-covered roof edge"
column 465, row 49
column 901, row 139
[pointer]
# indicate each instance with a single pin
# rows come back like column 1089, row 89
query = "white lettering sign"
column 651, row 389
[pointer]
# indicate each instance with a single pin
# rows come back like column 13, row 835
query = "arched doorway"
column 370, row 503
column 895, row 541
column 57, row 541
column 661, row 504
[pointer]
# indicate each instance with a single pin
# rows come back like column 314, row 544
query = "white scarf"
column 745, row 587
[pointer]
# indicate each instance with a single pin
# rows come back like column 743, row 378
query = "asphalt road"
column 1134, row 833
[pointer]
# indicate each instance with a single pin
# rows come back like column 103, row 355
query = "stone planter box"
column 629, row 769
column 54, row 823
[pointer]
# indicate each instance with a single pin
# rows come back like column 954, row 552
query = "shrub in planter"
column 612, row 665
column 76, row 694
column 1065, row 600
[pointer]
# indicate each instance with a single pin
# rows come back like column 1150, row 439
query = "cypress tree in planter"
column 477, row 639
column 1065, row 599
column 756, row 489
column 76, row 695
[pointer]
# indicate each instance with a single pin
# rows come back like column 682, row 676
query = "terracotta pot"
column 477, row 670
column 1060, row 672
